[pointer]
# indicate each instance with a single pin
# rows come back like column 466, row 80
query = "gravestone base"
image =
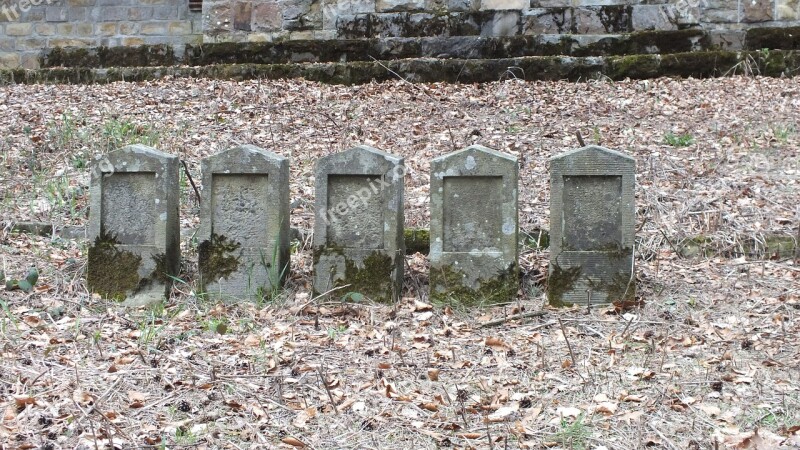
column 374, row 274
column 451, row 286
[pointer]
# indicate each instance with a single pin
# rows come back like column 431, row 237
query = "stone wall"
column 268, row 20
column 29, row 26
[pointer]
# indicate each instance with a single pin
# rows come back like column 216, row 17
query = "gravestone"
column 592, row 227
column 133, row 225
column 244, row 223
column 474, row 227
column 358, row 227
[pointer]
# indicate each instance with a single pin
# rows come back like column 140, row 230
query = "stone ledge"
column 457, row 47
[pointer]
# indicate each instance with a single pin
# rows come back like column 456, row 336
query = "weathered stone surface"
column 399, row 5
column 757, row 10
column 358, row 228
column 133, row 225
column 654, row 17
column 547, row 21
column 267, row 17
column 474, row 227
column 504, row 4
column 787, row 9
column 244, row 224
column 592, row 219
column 502, row 23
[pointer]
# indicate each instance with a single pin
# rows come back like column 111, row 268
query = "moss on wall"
column 559, row 282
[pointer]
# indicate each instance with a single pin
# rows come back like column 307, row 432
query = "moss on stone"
column 559, row 282
column 786, row 38
column 215, row 259
column 417, row 240
column 374, row 279
column 447, row 287
column 112, row 273
column 633, row 66
column 621, row 288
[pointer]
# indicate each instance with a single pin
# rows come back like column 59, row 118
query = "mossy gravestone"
column 244, row 224
column 474, row 227
column 133, row 225
column 592, row 227
column 358, row 228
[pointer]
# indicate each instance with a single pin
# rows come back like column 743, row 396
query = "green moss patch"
column 112, row 273
column 499, row 289
column 417, row 240
column 216, row 259
column 559, row 282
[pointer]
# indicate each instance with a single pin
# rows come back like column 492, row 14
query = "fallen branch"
column 495, row 322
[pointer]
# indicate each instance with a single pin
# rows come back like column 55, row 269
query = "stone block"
column 140, row 13
column 399, row 5
column 45, row 29
column 244, row 223
column 492, row 5
column 81, row 2
column 242, row 15
column 9, row 60
column 71, row 42
column 56, row 14
column 114, row 13
column 180, row 27
column 19, row 29
column 547, row 21
column 153, row 28
column 84, row 29
column 592, row 217
column 654, row 17
column 757, row 11
column 333, row 9
column 267, row 17
column 502, row 23
column 77, row 14
column 30, row 60
column 358, row 227
column 133, row 228
column 603, row 20
column 107, row 28
column 787, row 9
column 165, row 13
column 8, row 45
column 474, row 227
column 31, row 44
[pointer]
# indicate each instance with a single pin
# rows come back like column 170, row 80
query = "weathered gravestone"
column 474, row 227
column 244, row 223
column 592, row 227
column 358, row 228
column 133, row 225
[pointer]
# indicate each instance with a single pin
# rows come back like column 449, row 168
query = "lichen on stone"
column 561, row 281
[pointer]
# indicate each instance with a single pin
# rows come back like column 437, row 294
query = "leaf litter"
column 707, row 358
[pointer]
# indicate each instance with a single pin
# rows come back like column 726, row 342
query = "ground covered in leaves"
column 708, row 359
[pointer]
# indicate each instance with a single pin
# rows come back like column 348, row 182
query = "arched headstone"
column 358, row 228
column 244, row 223
column 133, row 225
column 592, row 227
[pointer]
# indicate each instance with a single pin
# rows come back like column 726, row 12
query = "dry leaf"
column 496, row 343
column 294, row 442
column 433, row 374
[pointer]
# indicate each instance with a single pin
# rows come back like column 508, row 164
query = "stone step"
column 461, row 47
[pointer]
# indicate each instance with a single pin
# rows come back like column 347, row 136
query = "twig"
column 580, row 138
column 191, row 181
column 569, row 347
column 661, row 435
column 327, row 389
column 492, row 323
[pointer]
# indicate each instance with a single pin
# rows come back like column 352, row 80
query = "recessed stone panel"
column 240, row 207
column 356, row 208
column 592, row 216
column 125, row 192
column 473, row 213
